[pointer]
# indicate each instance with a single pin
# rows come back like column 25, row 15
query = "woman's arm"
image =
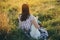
column 35, row 23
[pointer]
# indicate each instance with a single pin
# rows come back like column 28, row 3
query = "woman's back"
column 26, row 24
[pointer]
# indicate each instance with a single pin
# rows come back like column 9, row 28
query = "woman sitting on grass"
column 26, row 20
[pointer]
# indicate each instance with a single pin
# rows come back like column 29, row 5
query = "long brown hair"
column 25, row 12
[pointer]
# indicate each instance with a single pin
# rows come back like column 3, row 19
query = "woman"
column 26, row 19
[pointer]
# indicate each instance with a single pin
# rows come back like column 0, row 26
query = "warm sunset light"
column 46, row 11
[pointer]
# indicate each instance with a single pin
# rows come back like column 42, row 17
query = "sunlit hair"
column 25, row 12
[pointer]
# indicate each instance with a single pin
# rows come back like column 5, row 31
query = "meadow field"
column 48, row 12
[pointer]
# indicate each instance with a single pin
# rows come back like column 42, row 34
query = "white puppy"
column 35, row 32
